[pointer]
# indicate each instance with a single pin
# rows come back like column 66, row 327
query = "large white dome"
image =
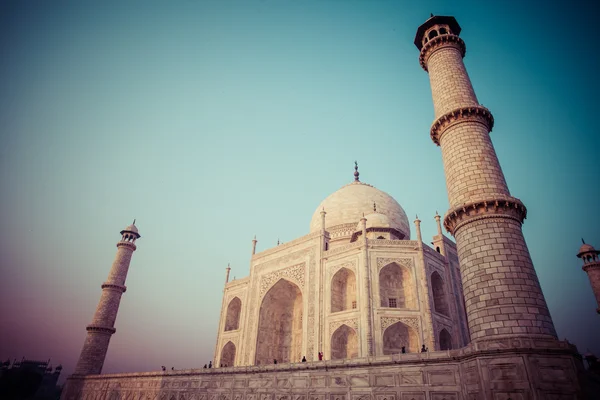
column 349, row 203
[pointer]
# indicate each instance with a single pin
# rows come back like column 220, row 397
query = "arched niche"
column 445, row 340
column 440, row 302
column 232, row 319
column 398, row 335
column 344, row 343
column 395, row 287
column 228, row 355
column 343, row 290
column 279, row 335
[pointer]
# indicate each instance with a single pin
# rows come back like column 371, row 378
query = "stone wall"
column 491, row 370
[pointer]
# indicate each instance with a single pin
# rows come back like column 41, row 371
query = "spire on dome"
column 356, row 172
column 582, row 241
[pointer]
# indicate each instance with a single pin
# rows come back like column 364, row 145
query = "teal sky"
column 211, row 122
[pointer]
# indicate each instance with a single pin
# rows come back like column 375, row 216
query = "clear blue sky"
column 210, row 122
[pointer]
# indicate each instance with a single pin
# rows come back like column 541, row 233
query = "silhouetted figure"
column 204, row 365
column 163, row 368
column 403, row 349
column 274, row 361
column 424, row 349
column 320, row 356
column 303, row 358
column 210, row 364
column 172, row 368
column 221, row 365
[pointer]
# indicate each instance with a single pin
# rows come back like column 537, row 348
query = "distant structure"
column 591, row 265
column 101, row 329
column 47, row 390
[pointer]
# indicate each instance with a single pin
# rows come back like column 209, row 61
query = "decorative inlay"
column 351, row 265
column 405, row 262
column 478, row 114
column 294, row 273
column 351, row 323
column 436, row 43
column 507, row 207
column 342, row 249
column 386, row 322
column 311, row 312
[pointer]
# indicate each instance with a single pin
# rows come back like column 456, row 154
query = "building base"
column 502, row 369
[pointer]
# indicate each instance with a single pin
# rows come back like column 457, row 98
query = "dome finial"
column 134, row 221
column 582, row 241
column 356, row 172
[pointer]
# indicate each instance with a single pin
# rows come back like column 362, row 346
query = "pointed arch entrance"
column 228, row 355
column 234, row 309
column 445, row 340
column 344, row 343
column 343, row 290
column 395, row 287
column 440, row 303
column 280, row 325
column 398, row 335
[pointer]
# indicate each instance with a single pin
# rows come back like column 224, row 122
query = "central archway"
column 344, row 343
column 280, row 325
column 398, row 335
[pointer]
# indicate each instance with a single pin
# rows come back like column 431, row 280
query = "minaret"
column 102, row 327
column 254, row 245
column 502, row 293
column 591, row 265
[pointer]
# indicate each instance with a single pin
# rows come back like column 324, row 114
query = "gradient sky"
column 211, row 122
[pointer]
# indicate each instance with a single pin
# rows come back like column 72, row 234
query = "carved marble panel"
column 294, row 274
column 413, row 322
column 351, row 322
column 382, row 262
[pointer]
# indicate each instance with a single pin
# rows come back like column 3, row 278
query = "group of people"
column 304, row 358
column 209, row 365
column 423, row 349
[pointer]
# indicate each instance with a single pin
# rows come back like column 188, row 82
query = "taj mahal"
column 361, row 308
column 331, row 292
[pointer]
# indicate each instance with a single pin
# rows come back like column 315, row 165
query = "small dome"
column 377, row 220
column 348, row 204
column 131, row 228
column 586, row 248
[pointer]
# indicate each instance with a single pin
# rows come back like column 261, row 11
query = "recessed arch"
column 228, row 355
column 433, row 33
column 232, row 318
column 343, row 290
column 344, row 343
column 445, row 340
column 440, row 302
column 398, row 335
column 279, row 335
column 395, row 287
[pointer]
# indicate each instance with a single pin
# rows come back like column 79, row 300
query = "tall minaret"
column 101, row 329
column 591, row 265
column 502, row 292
